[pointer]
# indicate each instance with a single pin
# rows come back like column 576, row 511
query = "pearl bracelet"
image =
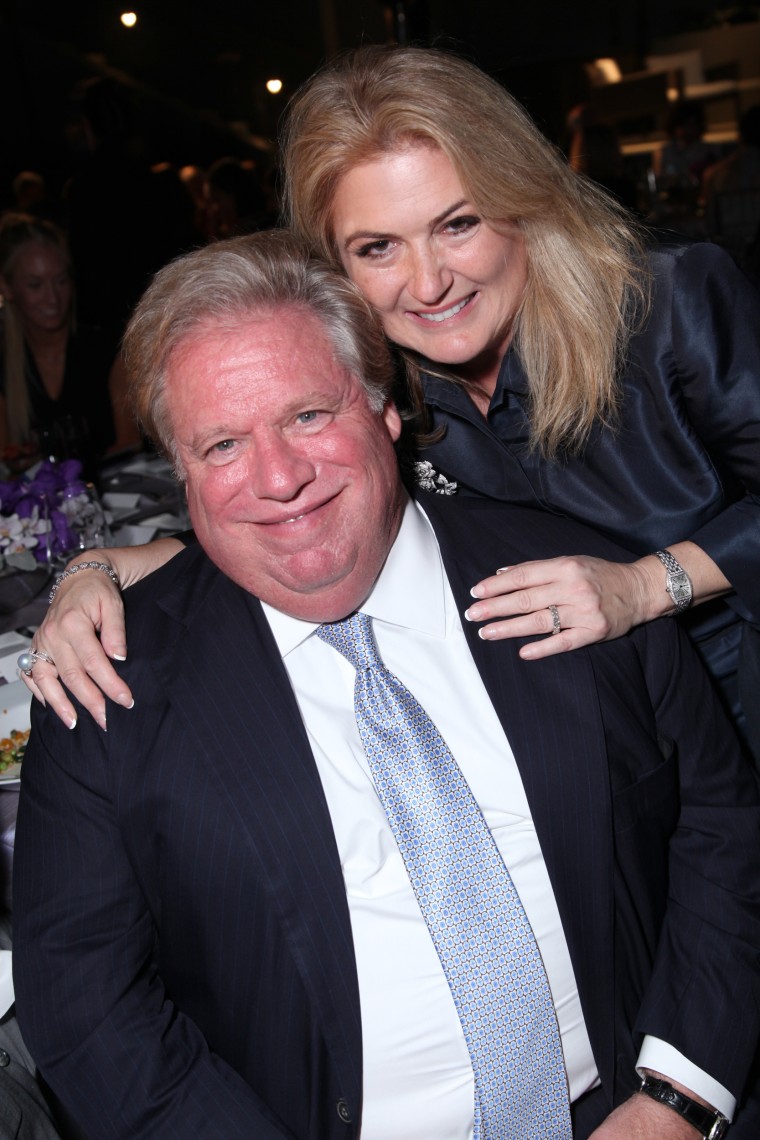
column 83, row 566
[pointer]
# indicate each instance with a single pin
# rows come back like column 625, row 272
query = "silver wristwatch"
column 677, row 581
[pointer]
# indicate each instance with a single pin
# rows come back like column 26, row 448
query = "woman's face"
column 39, row 285
column 444, row 281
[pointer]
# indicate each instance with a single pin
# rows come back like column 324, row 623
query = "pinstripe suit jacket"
column 185, row 961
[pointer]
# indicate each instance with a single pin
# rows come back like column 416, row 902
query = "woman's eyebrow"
column 383, row 235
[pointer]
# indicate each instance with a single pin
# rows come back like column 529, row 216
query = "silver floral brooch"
column 431, row 480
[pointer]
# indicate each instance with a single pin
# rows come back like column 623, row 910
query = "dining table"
column 142, row 500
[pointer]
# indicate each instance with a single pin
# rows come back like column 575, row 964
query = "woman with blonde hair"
column 54, row 376
column 584, row 286
column 553, row 359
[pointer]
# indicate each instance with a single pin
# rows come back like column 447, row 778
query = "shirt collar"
column 409, row 591
column 447, row 394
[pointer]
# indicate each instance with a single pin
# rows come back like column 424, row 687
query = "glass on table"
column 81, row 506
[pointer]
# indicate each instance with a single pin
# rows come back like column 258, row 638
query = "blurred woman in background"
column 57, row 380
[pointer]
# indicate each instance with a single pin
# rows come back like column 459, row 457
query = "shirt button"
column 4, row 1059
column 343, row 1111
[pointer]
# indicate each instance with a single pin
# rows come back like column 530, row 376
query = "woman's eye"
column 461, row 225
column 374, row 248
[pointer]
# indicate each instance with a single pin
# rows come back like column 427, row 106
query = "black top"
column 79, row 424
column 684, row 461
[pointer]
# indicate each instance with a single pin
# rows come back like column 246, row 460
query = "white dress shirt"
column 7, row 996
column 418, row 1079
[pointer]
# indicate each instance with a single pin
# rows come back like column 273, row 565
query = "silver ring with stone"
column 556, row 623
column 29, row 658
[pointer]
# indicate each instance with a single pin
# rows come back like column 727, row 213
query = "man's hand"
column 641, row 1118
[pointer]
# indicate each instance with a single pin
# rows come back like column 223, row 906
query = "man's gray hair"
column 229, row 282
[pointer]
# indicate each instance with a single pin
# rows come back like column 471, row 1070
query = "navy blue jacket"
column 683, row 462
column 184, row 960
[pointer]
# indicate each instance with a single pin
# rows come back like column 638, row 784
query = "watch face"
column 679, row 588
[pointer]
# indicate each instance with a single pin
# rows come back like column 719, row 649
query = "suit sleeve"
column 704, row 994
column 716, row 347
column 122, row 1059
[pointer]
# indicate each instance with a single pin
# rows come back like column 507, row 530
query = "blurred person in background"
column 29, row 193
column 236, row 200
column 732, row 197
column 594, row 151
column 124, row 220
column 60, row 383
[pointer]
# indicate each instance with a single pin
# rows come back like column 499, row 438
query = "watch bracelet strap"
column 710, row 1123
column 669, row 562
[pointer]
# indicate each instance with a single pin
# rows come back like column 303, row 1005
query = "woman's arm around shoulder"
column 84, row 628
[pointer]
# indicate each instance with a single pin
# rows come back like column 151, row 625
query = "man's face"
column 292, row 481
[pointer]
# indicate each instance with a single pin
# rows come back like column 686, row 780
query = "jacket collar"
column 210, row 628
column 550, row 713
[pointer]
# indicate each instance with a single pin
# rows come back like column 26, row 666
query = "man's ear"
column 392, row 420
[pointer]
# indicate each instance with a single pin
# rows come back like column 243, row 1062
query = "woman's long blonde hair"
column 587, row 288
column 16, row 231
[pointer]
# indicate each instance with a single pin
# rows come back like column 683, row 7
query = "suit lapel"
column 224, row 675
column 550, row 714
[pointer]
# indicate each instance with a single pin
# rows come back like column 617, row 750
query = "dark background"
column 197, row 71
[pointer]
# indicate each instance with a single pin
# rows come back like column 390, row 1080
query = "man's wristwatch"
column 710, row 1123
column 677, row 581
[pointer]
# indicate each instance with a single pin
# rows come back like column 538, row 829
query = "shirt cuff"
column 6, row 982
column 663, row 1058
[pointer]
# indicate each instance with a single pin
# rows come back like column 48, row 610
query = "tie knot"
column 353, row 637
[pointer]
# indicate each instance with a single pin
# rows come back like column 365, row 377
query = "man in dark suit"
column 216, row 936
column 24, row 1114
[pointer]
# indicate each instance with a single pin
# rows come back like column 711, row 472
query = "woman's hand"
column 594, row 600
column 86, row 604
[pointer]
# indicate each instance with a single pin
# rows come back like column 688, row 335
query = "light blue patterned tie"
column 473, row 912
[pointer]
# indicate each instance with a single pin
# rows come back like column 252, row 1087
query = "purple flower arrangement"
column 35, row 526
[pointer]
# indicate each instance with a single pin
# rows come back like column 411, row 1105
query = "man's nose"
column 278, row 470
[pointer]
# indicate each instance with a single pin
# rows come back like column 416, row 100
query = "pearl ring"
column 29, row 658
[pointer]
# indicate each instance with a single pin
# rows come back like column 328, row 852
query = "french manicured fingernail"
column 477, row 591
column 125, row 701
column 486, row 633
column 120, row 656
column 473, row 613
column 503, row 569
column 71, row 723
